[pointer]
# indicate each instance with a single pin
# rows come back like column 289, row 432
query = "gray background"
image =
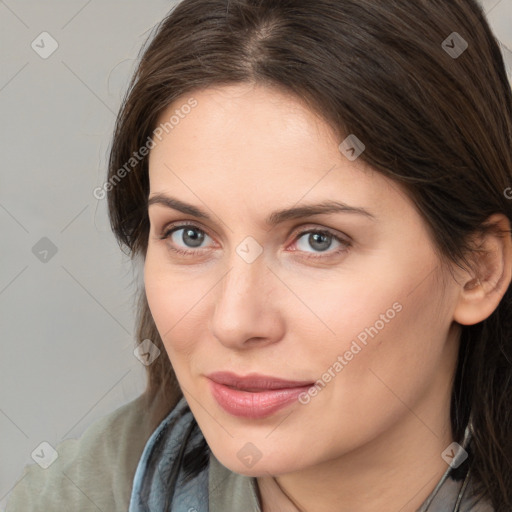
column 67, row 318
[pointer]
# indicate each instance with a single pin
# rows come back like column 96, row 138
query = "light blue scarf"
column 152, row 479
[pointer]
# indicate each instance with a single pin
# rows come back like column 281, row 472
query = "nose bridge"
column 244, row 277
column 242, row 308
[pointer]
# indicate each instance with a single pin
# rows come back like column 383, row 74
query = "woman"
column 319, row 194
column 253, row 107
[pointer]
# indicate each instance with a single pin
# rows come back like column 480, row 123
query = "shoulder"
column 90, row 473
column 473, row 502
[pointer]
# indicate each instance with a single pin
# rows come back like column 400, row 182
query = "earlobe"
column 483, row 287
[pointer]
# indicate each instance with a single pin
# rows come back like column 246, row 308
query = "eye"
column 188, row 239
column 320, row 241
column 185, row 235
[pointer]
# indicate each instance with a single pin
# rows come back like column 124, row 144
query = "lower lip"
column 254, row 405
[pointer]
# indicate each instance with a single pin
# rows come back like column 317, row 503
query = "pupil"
column 315, row 237
column 196, row 240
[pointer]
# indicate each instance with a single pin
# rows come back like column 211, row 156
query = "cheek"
column 388, row 325
column 359, row 305
column 174, row 298
column 393, row 359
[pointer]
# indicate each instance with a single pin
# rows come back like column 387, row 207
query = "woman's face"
column 356, row 305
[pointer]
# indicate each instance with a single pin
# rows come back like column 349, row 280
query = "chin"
column 265, row 466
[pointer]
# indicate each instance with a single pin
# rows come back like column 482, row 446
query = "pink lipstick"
column 254, row 396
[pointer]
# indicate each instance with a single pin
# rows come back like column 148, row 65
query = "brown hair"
column 437, row 123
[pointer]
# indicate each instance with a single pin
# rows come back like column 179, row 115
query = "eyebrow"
column 275, row 217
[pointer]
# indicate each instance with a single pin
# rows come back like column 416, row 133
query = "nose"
column 246, row 310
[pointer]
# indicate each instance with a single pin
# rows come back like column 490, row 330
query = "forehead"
column 258, row 144
column 243, row 119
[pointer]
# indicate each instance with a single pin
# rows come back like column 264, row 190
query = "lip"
column 254, row 396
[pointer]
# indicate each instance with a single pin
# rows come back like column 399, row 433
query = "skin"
column 372, row 438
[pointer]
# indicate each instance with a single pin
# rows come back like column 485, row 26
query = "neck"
column 394, row 472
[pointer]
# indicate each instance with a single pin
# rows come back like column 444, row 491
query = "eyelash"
column 175, row 227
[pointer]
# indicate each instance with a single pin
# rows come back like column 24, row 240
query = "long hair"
column 434, row 115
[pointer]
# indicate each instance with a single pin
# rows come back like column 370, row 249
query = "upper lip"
column 255, row 381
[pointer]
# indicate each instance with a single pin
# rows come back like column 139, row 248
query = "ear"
column 483, row 286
